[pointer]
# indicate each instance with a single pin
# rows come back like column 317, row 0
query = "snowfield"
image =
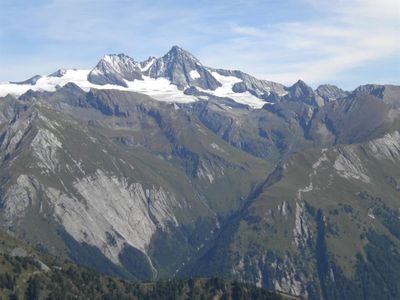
column 194, row 74
column 160, row 89
column 226, row 91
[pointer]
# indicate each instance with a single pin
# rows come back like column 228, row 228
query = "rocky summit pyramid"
column 114, row 69
column 167, row 168
column 183, row 70
column 175, row 77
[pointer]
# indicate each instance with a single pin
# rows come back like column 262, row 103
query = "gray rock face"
column 330, row 92
column 370, row 89
column 115, row 69
column 390, row 94
column 352, row 119
column 17, row 199
column 301, row 92
column 178, row 66
column 183, row 70
column 113, row 207
column 31, row 81
column 257, row 87
column 146, row 64
column 58, row 73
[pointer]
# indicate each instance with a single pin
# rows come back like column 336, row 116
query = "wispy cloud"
column 346, row 35
column 315, row 40
column 69, row 33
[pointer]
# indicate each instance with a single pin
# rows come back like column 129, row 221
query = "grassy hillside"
column 28, row 274
column 324, row 225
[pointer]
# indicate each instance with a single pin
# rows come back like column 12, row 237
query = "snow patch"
column 160, row 89
column 194, row 74
column 226, row 91
column 149, row 64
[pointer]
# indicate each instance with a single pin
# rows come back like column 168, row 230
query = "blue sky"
column 345, row 42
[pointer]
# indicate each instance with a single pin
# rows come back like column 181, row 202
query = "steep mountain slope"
column 330, row 92
column 122, row 180
column 270, row 132
column 114, row 69
column 122, row 183
column 320, row 226
column 353, row 119
column 182, row 69
column 388, row 93
column 248, row 83
column 297, row 122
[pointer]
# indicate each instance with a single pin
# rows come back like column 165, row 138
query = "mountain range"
column 167, row 168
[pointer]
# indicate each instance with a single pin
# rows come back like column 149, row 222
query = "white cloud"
column 346, row 35
column 323, row 41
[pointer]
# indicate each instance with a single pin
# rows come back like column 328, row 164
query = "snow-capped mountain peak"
column 115, row 69
column 58, row 73
column 165, row 79
column 182, row 69
column 145, row 65
column 178, row 51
